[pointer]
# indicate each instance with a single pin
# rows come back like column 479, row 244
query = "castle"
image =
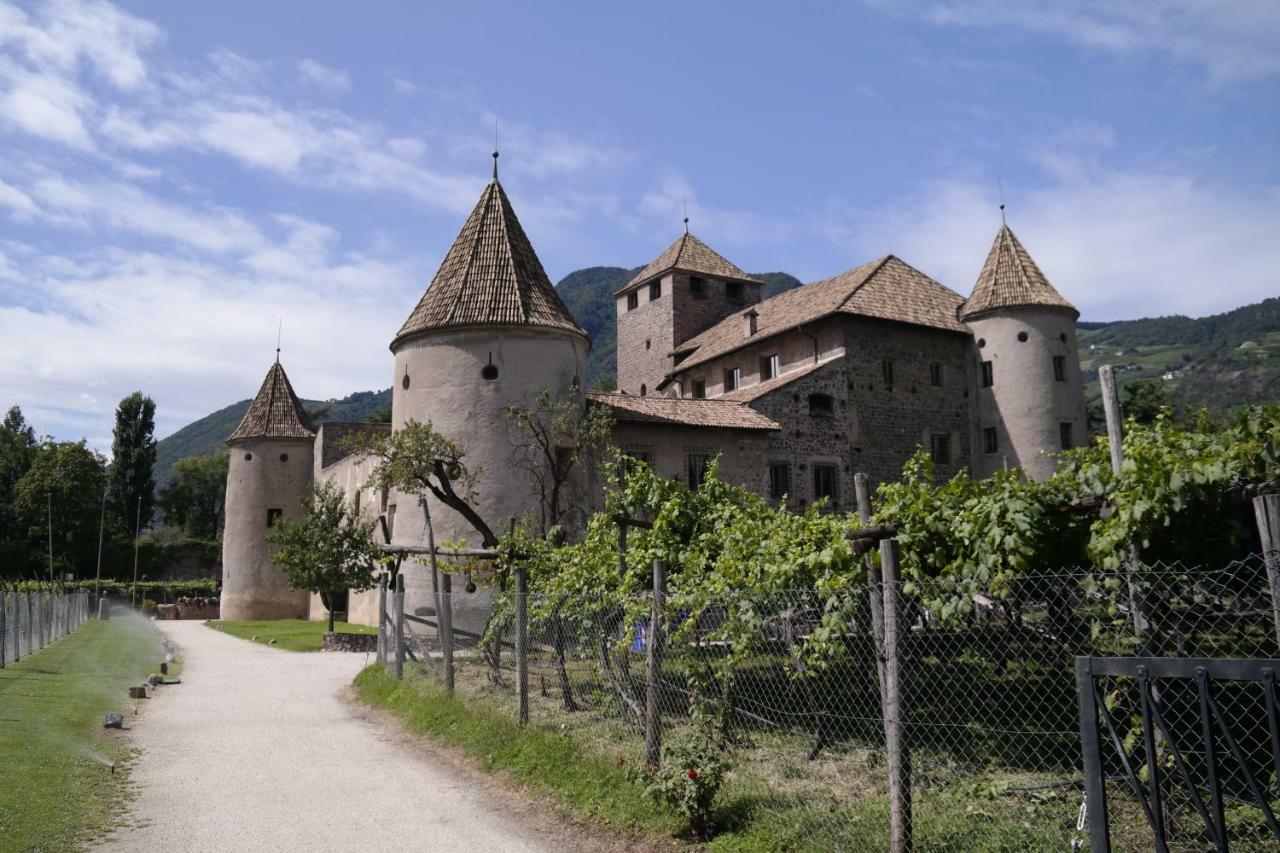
column 793, row 394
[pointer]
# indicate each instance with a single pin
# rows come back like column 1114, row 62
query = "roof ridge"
column 879, row 265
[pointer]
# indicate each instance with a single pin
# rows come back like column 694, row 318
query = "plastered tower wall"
column 263, row 475
column 1026, row 403
column 447, row 386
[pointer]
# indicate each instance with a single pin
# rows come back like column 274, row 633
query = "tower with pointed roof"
column 1030, row 402
column 490, row 332
column 269, row 472
column 684, row 291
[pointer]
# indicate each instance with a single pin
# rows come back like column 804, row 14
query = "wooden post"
column 897, row 750
column 4, row 626
column 653, row 670
column 1142, row 627
column 444, row 623
column 398, row 599
column 522, row 642
column 875, row 588
column 1266, row 511
column 382, row 619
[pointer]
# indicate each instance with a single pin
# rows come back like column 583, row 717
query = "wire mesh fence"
column 32, row 619
column 792, row 685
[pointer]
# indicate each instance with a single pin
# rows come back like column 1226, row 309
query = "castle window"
column 779, row 480
column 988, row 375
column 886, row 370
column 699, row 389
column 990, row 442
column 822, row 406
column 404, row 383
column 940, row 448
column 1065, row 437
column 284, row 457
column 750, row 323
column 698, row 286
column 697, row 468
column 769, row 367
column 732, row 379
column 489, row 372
column 982, row 342
column 248, row 457
column 824, row 483
column 1063, row 337
column 1060, row 368
column 643, row 390
column 633, row 300
column 273, row 515
column 1022, row 337
column 655, row 290
column 648, row 343
column 935, row 375
column 733, row 290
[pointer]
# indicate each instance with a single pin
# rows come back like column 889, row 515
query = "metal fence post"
column 444, row 621
column 1266, row 512
column 4, row 627
column 653, row 670
column 898, row 753
column 398, row 604
column 382, row 619
column 522, row 642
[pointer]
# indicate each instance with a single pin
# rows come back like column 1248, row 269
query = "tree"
column 196, row 498
column 65, row 483
column 17, row 451
column 133, row 456
column 1144, row 400
column 328, row 550
column 551, row 440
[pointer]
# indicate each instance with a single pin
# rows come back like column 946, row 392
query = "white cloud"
column 326, row 78
column 673, row 198
column 1232, row 39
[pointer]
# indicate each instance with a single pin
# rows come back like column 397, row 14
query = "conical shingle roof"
column 490, row 276
column 275, row 413
column 1011, row 279
column 690, row 255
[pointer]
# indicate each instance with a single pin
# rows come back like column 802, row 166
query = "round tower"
column 1030, row 397
column 269, row 472
column 490, row 332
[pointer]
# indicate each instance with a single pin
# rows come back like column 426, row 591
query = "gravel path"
column 257, row 750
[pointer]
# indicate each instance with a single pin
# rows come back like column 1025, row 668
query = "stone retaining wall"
column 338, row 642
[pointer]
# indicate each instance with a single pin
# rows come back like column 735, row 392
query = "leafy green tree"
column 17, row 451
column 329, row 549
column 196, row 498
column 1144, row 400
column 133, row 457
column 65, row 484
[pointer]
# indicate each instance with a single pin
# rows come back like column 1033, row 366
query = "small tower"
column 268, row 475
column 686, row 290
column 490, row 332
column 1030, row 396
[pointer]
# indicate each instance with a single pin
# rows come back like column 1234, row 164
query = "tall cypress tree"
column 133, row 456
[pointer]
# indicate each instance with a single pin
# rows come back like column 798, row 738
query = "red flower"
column 693, row 774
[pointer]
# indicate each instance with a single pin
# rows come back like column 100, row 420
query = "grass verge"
column 54, row 752
column 295, row 635
column 545, row 761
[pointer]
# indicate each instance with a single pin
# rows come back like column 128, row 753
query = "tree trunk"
column 330, row 620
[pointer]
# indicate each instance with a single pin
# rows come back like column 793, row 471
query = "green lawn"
column 54, row 753
column 295, row 635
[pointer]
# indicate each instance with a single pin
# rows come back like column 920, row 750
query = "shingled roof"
column 1010, row 279
column 490, row 276
column 689, row 254
column 275, row 413
column 887, row 288
column 684, row 411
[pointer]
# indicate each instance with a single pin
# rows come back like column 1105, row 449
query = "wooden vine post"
column 897, row 749
column 522, row 642
column 382, row 619
column 1266, row 512
column 398, row 599
column 875, row 588
column 653, row 670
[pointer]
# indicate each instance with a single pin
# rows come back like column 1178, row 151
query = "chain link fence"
column 985, row 685
column 32, row 619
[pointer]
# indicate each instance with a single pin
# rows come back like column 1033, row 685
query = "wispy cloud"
column 323, row 76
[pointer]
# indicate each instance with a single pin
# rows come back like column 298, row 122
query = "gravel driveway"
column 257, row 750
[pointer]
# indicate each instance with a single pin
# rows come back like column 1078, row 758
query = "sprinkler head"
column 113, row 768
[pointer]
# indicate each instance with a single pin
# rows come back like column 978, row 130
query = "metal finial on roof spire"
column 279, row 333
column 1000, row 183
column 686, row 214
column 1002, row 219
column 495, row 149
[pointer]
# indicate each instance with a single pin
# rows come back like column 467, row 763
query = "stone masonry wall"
column 644, row 340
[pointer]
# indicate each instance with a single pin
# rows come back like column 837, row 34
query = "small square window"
column 768, row 367
column 633, row 300
column 822, row 406
column 697, row 468
column 274, row 515
column 824, row 483
column 1060, row 368
column 655, row 290
column 698, row 286
column 1065, row 436
column 990, row 441
column 733, row 290
column 886, row 370
column 940, row 448
column 732, row 379
column 698, row 389
column 935, row 375
column 779, row 480
column 988, row 375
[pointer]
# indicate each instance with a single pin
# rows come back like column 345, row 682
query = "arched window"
column 643, row 390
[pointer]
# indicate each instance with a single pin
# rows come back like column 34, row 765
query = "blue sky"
column 177, row 177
